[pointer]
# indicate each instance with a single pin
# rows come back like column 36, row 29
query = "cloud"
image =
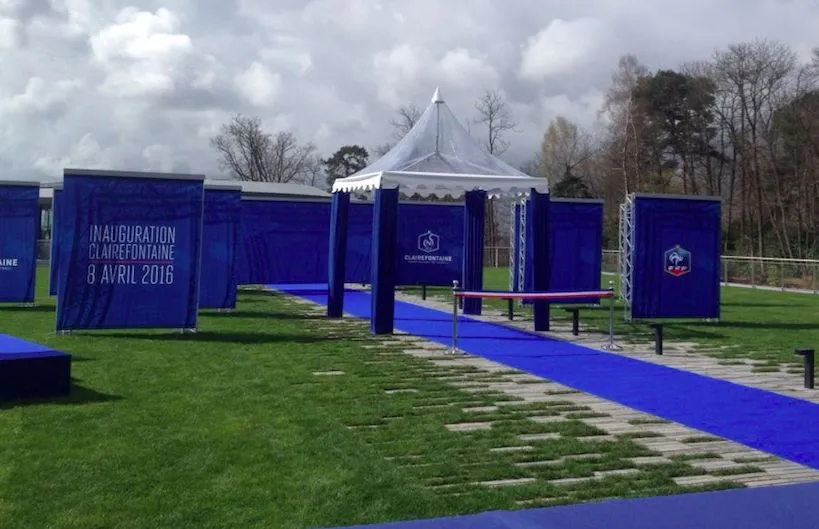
column 144, row 85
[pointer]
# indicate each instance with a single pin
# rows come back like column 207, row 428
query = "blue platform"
column 777, row 424
column 29, row 370
column 783, row 507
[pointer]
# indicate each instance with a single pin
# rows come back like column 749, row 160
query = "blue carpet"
column 784, row 507
column 773, row 423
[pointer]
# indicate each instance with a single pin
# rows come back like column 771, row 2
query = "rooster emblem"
column 428, row 242
column 677, row 261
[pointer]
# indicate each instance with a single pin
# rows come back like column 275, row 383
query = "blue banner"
column 55, row 241
column 575, row 248
column 287, row 242
column 220, row 242
column 129, row 252
column 430, row 244
column 676, row 258
column 19, row 227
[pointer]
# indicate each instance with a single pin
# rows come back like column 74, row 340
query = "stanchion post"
column 610, row 346
column 454, row 349
column 511, row 309
column 424, row 292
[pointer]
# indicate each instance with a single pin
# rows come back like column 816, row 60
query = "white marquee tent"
column 439, row 158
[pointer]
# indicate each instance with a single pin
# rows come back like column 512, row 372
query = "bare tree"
column 407, row 117
column 251, row 154
column 564, row 150
column 314, row 172
column 495, row 114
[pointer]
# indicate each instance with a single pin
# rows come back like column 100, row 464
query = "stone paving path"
column 720, row 459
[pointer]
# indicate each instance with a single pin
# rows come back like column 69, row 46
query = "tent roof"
column 438, row 157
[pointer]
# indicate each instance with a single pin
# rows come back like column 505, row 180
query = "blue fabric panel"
column 53, row 262
column 430, row 244
column 539, row 212
column 287, row 242
column 385, row 230
column 129, row 253
column 29, row 370
column 339, row 211
column 220, row 242
column 19, row 227
column 676, row 258
column 575, row 254
column 474, row 208
column 359, row 243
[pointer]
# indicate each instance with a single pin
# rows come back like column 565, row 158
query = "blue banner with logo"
column 676, row 258
column 575, row 247
column 220, row 240
column 19, row 226
column 53, row 262
column 430, row 244
column 129, row 252
column 287, row 242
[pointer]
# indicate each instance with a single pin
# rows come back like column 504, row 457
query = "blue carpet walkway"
column 773, row 423
column 785, row 507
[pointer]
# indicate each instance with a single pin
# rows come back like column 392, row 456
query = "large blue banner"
column 676, row 257
column 430, row 244
column 220, row 242
column 575, row 247
column 19, row 226
column 53, row 262
column 287, row 242
column 130, row 246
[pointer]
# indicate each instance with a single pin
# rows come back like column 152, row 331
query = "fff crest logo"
column 677, row 261
column 429, row 242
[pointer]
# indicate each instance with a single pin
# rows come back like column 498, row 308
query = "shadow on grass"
column 244, row 338
column 21, row 308
column 79, row 394
column 264, row 315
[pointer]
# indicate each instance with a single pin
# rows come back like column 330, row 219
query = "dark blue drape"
column 474, row 207
column 539, row 213
column 382, row 270
column 339, row 214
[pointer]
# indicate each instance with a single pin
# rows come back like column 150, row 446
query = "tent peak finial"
column 436, row 97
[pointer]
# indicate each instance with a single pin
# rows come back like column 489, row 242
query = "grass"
column 755, row 324
column 233, row 427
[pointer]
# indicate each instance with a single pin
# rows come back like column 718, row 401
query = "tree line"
column 742, row 125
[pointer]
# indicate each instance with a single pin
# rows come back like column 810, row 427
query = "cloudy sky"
column 143, row 85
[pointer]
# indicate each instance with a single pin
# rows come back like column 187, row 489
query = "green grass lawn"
column 231, row 428
column 759, row 324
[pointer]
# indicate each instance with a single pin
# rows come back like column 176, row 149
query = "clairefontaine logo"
column 429, row 242
column 7, row 263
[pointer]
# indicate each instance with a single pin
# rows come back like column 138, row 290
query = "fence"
column 763, row 272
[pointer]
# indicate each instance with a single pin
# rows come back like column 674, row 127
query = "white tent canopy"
column 439, row 158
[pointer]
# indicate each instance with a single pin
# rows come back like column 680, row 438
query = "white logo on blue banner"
column 8, row 263
column 429, row 244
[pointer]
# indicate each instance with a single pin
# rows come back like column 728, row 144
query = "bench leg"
column 658, row 339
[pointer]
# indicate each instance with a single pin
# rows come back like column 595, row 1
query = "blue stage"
column 779, row 425
column 28, row 370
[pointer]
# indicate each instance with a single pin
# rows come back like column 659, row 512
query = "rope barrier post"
column 511, row 309
column 610, row 346
column 423, row 292
column 454, row 349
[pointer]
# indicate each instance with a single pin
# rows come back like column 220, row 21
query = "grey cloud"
column 339, row 91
